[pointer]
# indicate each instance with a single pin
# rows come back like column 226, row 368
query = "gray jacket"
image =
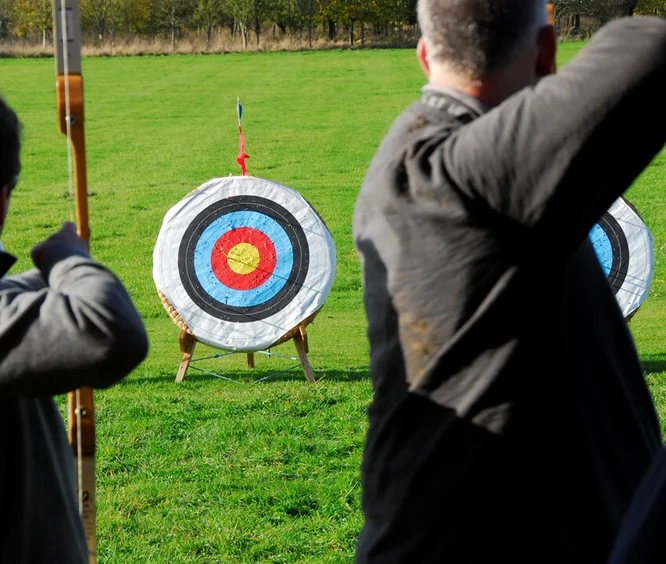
column 67, row 324
column 510, row 421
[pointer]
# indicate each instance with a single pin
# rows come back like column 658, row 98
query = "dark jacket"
column 510, row 420
column 642, row 538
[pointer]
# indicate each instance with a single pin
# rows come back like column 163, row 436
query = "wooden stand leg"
column 187, row 344
column 301, row 344
column 250, row 360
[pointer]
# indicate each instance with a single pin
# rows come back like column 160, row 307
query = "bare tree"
column 241, row 12
column 207, row 15
column 172, row 16
column 5, row 17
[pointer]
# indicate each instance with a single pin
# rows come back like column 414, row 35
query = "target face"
column 623, row 244
column 243, row 261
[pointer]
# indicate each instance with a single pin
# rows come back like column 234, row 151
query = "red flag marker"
column 242, row 155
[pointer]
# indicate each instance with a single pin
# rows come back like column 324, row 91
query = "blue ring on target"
column 612, row 249
column 231, row 296
column 602, row 248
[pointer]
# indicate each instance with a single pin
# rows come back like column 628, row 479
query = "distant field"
column 214, row 471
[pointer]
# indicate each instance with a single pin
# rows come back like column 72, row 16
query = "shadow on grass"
column 249, row 376
column 654, row 364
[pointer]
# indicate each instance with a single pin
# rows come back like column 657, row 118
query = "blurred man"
column 510, row 420
column 642, row 537
column 67, row 324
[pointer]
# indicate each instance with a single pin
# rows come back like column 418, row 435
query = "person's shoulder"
column 416, row 125
column 635, row 24
column 630, row 33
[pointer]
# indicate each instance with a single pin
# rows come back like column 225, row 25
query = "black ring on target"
column 245, row 203
column 620, row 247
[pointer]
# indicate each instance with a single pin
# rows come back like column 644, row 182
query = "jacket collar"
column 436, row 95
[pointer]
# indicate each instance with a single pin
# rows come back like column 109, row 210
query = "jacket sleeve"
column 79, row 329
column 559, row 154
column 31, row 281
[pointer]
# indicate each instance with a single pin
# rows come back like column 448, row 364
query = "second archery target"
column 624, row 247
column 243, row 261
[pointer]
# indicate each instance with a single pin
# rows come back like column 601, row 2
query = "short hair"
column 10, row 145
column 478, row 37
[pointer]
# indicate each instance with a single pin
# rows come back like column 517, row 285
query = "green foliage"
column 133, row 16
column 652, row 7
column 571, row 13
column 601, row 10
column 369, row 11
column 173, row 18
column 207, row 14
column 30, row 17
column 605, row 10
column 110, row 17
column 212, row 471
column 98, row 15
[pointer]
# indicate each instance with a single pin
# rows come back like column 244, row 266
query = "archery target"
column 624, row 246
column 243, row 261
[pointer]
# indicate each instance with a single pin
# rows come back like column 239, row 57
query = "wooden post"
column 187, row 344
column 303, row 334
column 250, row 360
column 301, row 344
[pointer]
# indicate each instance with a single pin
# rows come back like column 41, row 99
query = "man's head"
column 479, row 40
column 10, row 164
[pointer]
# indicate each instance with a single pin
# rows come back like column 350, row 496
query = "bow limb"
column 70, row 107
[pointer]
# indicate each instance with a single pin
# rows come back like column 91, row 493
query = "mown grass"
column 211, row 470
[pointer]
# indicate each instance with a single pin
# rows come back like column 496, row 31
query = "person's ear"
column 422, row 56
column 547, row 52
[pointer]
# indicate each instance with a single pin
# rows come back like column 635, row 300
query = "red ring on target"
column 243, row 258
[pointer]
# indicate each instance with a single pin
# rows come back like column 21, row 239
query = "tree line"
column 572, row 13
column 249, row 21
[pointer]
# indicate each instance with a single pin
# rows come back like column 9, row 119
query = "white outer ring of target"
column 254, row 335
column 636, row 286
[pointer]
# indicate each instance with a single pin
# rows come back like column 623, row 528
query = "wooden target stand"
column 188, row 342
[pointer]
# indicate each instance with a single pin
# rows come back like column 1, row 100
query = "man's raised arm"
column 560, row 153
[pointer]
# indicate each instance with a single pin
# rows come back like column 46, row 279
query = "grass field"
column 210, row 470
